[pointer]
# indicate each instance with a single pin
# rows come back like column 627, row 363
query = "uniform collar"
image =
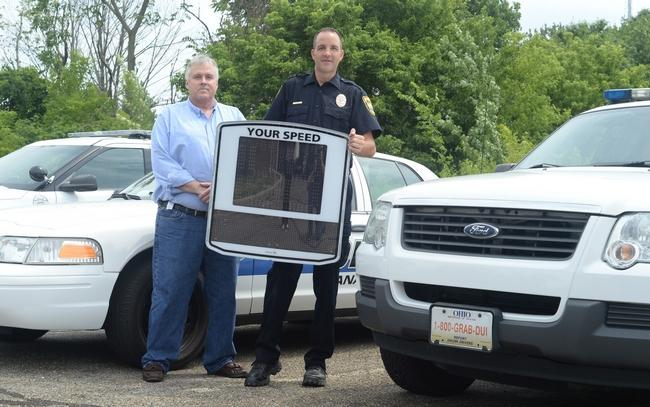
column 336, row 80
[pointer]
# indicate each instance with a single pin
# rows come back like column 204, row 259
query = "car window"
column 14, row 167
column 382, row 175
column 410, row 176
column 596, row 138
column 115, row 168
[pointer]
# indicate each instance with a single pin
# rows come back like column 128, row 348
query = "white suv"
column 538, row 273
column 86, row 166
column 88, row 265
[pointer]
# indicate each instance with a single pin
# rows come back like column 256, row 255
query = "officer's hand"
column 355, row 142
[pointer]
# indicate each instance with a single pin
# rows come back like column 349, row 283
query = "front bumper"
column 54, row 297
column 578, row 347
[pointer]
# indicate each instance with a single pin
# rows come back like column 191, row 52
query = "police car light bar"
column 626, row 95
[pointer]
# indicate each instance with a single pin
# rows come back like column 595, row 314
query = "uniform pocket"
column 297, row 114
column 337, row 118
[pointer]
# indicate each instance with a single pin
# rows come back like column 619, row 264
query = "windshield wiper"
column 125, row 196
column 627, row 164
column 543, row 165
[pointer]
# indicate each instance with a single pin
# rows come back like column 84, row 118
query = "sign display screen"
column 280, row 175
column 278, row 192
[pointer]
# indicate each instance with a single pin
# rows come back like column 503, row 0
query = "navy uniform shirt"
column 338, row 105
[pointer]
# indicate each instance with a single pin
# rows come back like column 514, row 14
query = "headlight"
column 49, row 250
column 377, row 224
column 629, row 242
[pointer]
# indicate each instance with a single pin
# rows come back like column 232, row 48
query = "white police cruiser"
column 88, row 265
column 539, row 273
column 85, row 166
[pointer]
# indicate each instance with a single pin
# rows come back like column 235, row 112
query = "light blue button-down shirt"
column 182, row 149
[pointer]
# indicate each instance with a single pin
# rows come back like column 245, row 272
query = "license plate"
column 461, row 328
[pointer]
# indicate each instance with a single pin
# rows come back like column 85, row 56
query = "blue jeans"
column 179, row 254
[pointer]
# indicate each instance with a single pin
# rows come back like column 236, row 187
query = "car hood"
column 10, row 193
column 76, row 219
column 604, row 190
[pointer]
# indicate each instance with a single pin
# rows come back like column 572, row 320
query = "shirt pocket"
column 297, row 114
column 337, row 118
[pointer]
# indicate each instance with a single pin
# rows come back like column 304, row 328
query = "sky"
column 537, row 13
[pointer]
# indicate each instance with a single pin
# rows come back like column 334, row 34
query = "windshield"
column 606, row 137
column 142, row 188
column 14, row 167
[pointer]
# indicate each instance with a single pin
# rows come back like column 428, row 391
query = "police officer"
column 320, row 98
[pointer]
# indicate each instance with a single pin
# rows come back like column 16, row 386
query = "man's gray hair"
column 200, row 59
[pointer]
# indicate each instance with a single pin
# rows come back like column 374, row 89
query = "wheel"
column 128, row 318
column 422, row 376
column 22, row 335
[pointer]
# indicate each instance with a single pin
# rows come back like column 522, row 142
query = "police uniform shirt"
column 338, row 104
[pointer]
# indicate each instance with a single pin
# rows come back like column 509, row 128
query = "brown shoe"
column 232, row 370
column 153, row 372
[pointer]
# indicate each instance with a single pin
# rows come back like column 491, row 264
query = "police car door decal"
column 279, row 192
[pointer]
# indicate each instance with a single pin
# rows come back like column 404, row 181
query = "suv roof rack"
column 135, row 134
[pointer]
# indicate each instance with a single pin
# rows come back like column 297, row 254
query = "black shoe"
column 153, row 372
column 315, row 376
column 260, row 372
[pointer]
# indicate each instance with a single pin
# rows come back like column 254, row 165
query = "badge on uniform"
column 341, row 100
column 366, row 101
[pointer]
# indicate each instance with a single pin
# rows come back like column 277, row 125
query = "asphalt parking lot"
column 77, row 369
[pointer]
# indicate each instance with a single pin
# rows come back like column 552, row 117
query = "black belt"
column 184, row 209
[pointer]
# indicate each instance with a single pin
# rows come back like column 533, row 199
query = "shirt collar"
column 336, row 80
column 198, row 110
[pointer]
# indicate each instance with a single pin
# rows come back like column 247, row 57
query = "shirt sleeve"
column 278, row 109
column 363, row 117
column 168, row 173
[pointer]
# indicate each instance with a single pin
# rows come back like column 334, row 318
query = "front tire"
column 128, row 318
column 422, row 376
column 17, row 335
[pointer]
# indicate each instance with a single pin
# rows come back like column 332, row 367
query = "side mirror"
column 37, row 173
column 78, row 183
column 504, row 167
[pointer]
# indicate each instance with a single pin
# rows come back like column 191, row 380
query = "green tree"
column 428, row 79
column 547, row 77
column 9, row 140
column 136, row 103
column 22, row 91
column 634, row 36
column 74, row 104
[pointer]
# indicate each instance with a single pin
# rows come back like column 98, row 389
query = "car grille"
column 367, row 285
column 635, row 316
column 504, row 301
column 523, row 233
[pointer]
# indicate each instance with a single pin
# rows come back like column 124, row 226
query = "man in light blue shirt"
column 182, row 149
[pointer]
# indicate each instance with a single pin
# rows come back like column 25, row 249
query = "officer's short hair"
column 200, row 59
column 327, row 29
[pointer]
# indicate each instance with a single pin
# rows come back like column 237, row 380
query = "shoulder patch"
column 368, row 104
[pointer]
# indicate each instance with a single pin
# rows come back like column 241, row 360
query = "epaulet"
column 349, row 82
column 301, row 75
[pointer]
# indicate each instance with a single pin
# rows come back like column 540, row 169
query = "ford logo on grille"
column 480, row 230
